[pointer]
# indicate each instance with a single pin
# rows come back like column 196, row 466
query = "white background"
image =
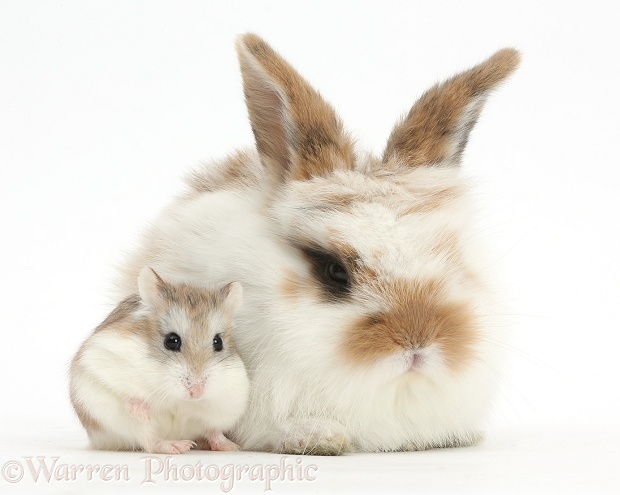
column 105, row 105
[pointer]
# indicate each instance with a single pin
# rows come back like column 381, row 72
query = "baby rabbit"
column 161, row 373
column 372, row 317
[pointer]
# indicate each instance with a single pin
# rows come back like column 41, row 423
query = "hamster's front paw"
column 171, row 446
column 217, row 441
column 313, row 437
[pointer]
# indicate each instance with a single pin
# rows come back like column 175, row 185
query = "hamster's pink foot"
column 171, row 446
column 217, row 441
column 139, row 409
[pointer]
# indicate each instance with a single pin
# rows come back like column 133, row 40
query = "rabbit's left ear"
column 436, row 129
column 298, row 134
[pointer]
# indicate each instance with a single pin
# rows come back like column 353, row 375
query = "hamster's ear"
column 436, row 129
column 233, row 298
column 298, row 135
column 152, row 288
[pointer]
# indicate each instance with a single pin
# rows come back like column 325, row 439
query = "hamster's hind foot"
column 217, row 441
column 171, row 446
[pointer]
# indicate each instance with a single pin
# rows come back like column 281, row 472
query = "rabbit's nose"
column 416, row 360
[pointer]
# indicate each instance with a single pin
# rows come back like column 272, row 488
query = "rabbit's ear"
column 436, row 129
column 298, row 134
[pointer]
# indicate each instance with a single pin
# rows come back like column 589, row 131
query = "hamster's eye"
column 218, row 345
column 337, row 273
column 172, row 342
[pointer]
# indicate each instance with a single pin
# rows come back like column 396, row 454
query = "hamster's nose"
column 196, row 390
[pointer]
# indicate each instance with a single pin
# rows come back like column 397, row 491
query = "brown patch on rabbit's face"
column 418, row 316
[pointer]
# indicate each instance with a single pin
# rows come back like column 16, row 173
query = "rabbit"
column 367, row 321
column 161, row 373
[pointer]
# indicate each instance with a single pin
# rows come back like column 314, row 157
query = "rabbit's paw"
column 313, row 437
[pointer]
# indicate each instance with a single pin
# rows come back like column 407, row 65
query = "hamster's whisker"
column 224, row 359
column 168, row 355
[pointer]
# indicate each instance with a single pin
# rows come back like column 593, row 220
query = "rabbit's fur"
column 366, row 323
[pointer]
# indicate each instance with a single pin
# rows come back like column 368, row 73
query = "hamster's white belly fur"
column 109, row 377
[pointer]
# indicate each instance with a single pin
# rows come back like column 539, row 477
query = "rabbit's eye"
column 329, row 271
column 172, row 342
column 337, row 273
column 218, row 345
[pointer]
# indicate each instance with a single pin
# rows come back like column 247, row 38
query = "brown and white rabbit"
column 365, row 324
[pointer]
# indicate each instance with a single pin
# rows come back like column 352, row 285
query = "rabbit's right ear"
column 436, row 129
column 298, row 134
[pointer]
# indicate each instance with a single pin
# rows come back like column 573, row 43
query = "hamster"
column 161, row 373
